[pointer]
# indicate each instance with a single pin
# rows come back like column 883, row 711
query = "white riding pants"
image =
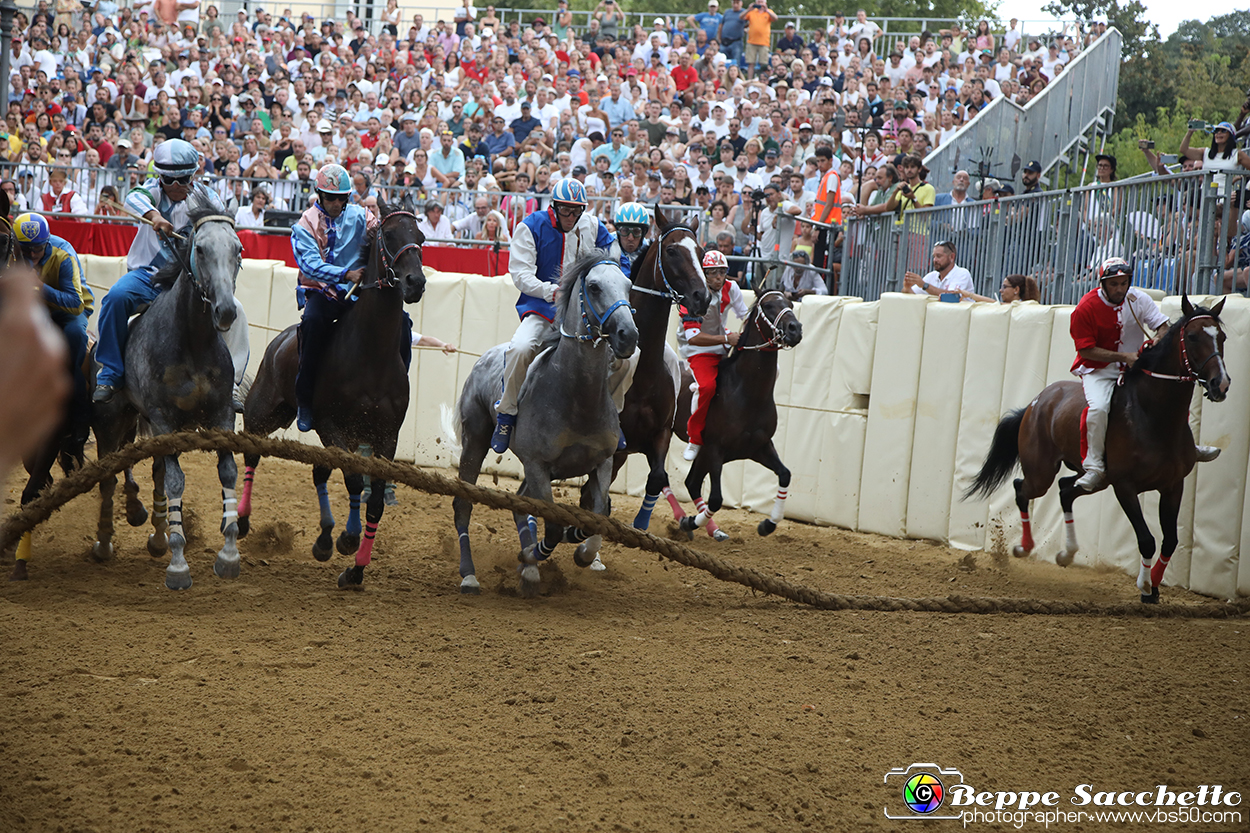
column 238, row 342
column 1098, row 385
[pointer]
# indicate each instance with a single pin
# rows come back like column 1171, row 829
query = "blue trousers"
column 315, row 328
column 733, row 52
column 132, row 291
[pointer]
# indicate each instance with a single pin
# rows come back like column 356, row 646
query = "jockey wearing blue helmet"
column 543, row 243
column 632, row 224
column 162, row 201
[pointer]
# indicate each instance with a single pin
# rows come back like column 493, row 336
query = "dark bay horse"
column 362, row 388
column 567, row 423
column 179, row 376
column 1149, row 444
column 669, row 272
column 743, row 414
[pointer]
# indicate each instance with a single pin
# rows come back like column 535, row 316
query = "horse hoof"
column 19, row 571
column 348, row 544
column 587, row 552
column 245, row 525
column 1019, row 551
column 720, row 535
column 469, row 586
column 641, row 524
column 323, row 547
column 1152, row 598
column 138, row 517
column 102, row 552
column 158, row 545
column 226, row 567
column 597, row 565
column 687, row 526
column 766, row 527
column 178, row 579
column 1064, row 558
column 353, row 576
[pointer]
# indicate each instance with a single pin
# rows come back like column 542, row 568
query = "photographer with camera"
column 1223, row 156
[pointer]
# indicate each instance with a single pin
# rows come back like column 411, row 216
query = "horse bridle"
column 388, row 277
column 1192, row 374
column 773, row 342
column 595, row 333
column 189, row 266
column 670, row 293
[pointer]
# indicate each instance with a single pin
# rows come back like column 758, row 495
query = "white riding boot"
column 1095, row 476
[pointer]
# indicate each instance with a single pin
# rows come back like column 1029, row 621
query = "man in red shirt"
column 1107, row 327
column 684, row 74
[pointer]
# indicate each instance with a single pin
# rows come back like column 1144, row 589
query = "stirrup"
column 103, row 394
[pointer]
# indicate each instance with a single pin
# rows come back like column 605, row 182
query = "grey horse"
column 179, row 376
column 567, row 424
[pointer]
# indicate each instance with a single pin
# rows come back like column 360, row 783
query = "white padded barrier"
column 892, row 414
column 943, row 357
column 433, row 375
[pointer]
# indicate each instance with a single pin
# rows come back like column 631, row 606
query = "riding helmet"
column 31, row 229
column 632, row 214
column 1113, row 266
column 175, row 157
column 714, row 259
column 333, row 179
column 569, row 191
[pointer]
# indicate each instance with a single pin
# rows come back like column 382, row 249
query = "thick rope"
column 89, row 476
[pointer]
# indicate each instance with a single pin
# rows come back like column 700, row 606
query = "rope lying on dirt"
column 86, row 479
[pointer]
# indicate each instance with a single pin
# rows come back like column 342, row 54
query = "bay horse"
column 361, row 392
column 179, row 376
column 651, row 400
column 1149, row 444
column 567, row 424
column 742, row 418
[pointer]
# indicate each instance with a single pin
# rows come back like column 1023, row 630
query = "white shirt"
column 244, row 218
column 714, row 322
column 956, row 279
column 442, row 230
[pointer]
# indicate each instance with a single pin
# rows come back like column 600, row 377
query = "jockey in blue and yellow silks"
column 69, row 300
column 331, row 246
column 161, row 200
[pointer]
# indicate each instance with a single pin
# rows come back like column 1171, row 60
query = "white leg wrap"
column 1143, row 578
column 1069, row 529
column 701, row 519
column 779, row 506
column 229, row 505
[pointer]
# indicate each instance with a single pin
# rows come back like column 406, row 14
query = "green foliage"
column 1167, row 130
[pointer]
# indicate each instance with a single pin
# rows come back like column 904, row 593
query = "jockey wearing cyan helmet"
column 1108, row 328
column 542, row 245
column 162, row 200
column 632, row 224
column 331, row 246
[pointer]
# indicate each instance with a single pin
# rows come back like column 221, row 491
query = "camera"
column 1197, row 124
column 1146, row 144
column 757, row 194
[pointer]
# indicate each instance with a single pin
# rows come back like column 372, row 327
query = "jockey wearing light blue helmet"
column 542, row 245
column 162, row 201
column 632, row 224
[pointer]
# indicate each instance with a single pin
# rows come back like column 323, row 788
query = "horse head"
column 679, row 262
column 593, row 304
column 771, row 324
column 398, row 245
column 213, row 256
column 1201, row 347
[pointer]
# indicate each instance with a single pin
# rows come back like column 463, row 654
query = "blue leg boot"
column 504, row 426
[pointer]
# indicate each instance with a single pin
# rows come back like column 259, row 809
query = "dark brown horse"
column 669, row 272
column 1149, row 444
column 743, row 415
column 362, row 388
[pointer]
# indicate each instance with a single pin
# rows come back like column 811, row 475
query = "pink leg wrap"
column 712, row 528
column 365, row 554
column 245, row 501
column 678, row 512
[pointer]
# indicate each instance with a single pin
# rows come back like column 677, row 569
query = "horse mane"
column 1159, row 352
column 575, row 272
column 735, row 352
column 198, row 208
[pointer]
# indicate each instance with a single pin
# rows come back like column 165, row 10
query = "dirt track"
column 649, row 697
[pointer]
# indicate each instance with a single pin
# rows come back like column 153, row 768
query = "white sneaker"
column 691, row 451
column 1207, row 453
column 1092, row 480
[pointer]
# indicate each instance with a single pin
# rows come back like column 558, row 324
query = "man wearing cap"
column 542, row 245
column 790, row 41
column 1031, row 176
column 708, row 21
column 523, row 125
column 499, row 142
column 162, row 200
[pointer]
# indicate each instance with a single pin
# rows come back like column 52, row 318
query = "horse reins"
column 189, row 266
column 600, row 320
column 388, row 276
column 1191, row 373
column 671, row 294
column 773, row 342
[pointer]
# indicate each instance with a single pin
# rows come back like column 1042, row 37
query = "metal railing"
column 1177, row 232
column 1046, row 128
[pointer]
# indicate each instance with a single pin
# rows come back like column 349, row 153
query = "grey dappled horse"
column 567, row 425
column 180, row 376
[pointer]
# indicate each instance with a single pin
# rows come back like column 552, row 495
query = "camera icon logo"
column 922, row 788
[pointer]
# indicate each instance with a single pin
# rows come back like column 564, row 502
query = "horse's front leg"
column 595, row 498
column 769, row 459
column 694, row 487
column 537, row 484
column 178, row 573
column 323, row 547
column 250, row 462
column 1145, row 541
column 354, row 575
column 158, row 541
column 1169, row 509
column 227, row 563
column 714, row 502
column 657, row 483
column 349, row 539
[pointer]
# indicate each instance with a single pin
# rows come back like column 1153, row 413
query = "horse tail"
column 449, row 418
column 1001, row 461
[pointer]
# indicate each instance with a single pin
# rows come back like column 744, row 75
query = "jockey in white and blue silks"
column 162, row 200
column 543, row 243
column 331, row 243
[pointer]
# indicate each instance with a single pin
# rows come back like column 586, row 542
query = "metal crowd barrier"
column 1179, row 233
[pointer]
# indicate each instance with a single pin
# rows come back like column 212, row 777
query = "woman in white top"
column 1223, row 155
column 253, row 215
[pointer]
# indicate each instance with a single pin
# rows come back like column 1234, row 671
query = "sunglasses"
column 629, row 232
column 567, row 211
column 329, row 198
column 166, row 179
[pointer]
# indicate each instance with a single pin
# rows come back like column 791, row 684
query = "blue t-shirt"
column 709, row 23
column 733, row 26
column 498, row 144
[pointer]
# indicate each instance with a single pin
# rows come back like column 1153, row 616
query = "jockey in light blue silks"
column 331, row 245
column 162, row 200
column 543, row 243
column 632, row 224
